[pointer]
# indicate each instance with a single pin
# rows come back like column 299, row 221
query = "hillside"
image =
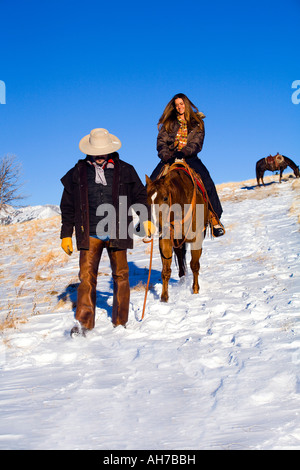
column 10, row 215
column 218, row 370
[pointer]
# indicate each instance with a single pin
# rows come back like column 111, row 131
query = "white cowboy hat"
column 99, row 142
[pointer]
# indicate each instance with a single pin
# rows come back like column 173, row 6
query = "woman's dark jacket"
column 165, row 140
column 75, row 202
column 167, row 152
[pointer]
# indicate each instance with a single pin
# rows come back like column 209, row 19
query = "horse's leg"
column 260, row 169
column 180, row 255
column 195, row 267
column 165, row 247
column 258, row 175
column 259, row 178
column 280, row 174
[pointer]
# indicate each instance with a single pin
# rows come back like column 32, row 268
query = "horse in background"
column 274, row 163
column 181, row 214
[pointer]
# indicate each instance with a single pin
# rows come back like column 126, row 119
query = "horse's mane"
column 173, row 181
column 178, row 183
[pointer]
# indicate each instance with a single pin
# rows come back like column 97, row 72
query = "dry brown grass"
column 44, row 260
column 248, row 189
column 141, row 286
column 34, row 248
column 13, row 315
column 20, row 279
column 11, row 321
column 236, row 192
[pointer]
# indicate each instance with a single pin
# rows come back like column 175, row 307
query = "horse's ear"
column 148, row 180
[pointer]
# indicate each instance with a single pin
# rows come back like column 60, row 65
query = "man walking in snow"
column 95, row 190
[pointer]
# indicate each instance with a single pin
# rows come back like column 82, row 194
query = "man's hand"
column 67, row 245
column 149, row 228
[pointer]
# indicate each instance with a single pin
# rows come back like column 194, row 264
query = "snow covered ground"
column 218, row 370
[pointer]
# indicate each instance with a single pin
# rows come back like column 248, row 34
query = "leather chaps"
column 86, row 294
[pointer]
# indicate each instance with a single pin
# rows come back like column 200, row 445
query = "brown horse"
column 274, row 163
column 181, row 212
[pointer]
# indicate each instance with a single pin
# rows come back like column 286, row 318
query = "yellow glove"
column 149, row 228
column 67, row 245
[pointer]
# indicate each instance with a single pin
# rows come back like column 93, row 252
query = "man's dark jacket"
column 75, row 205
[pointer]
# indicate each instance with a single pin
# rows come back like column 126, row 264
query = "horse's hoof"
column 78, row 330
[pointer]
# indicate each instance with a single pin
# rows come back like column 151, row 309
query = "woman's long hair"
column 170, row 114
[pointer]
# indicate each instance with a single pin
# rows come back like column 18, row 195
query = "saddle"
column 213, row 219
column 182, row 165
column 274, row 162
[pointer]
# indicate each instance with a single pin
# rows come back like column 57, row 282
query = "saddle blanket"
column 198, row 180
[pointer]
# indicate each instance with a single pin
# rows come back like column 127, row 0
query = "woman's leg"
column 157, row 170
column 198, row 166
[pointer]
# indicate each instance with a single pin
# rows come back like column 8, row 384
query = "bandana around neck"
column 182, row 134
column 99, row 170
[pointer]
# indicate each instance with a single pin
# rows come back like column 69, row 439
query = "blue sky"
column 71, row 66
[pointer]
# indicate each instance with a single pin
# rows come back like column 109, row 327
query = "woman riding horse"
column 181, row 213
column 180, row 136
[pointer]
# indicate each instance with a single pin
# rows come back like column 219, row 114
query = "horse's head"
column 158, row 197
column 157, row 191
